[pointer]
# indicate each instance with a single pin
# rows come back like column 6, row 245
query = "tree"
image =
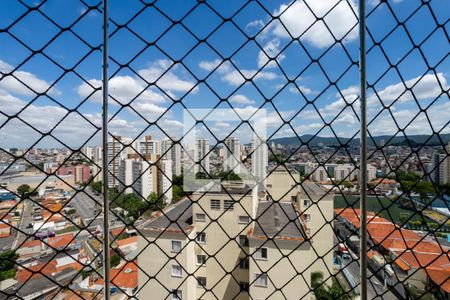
column 97, row 186
column 347, row 184
column 156, row 200
column 227, row 176
column 114, row 261
column 23, row 190
column 7, row 263
column 325, row 292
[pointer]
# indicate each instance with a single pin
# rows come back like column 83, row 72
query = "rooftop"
column 311, row 188
column 178, row 218
column 278, row 220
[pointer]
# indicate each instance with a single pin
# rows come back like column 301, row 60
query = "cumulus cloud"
column 305, row 90
column 232, row 76
column 427, row 87
column 125, row 88
column 271, row 49
column 241, row 99
column 169, row 81
column 299, row 20
column 23, row 83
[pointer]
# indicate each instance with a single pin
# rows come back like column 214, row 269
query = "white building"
column 147, row 147
column 115, row 155
column 232, row 155
column 172, row 151
column 201, row 156
column 259, row 159
column 165, row 180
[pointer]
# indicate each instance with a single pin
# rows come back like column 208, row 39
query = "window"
column 201, row 259
column 244, row 219
column 307, row 217
column 177, row 295
column 201, row 282
column 200, row 217
column 243, row 286
column 244, row 263
column 294, row 199
column 243, row 241
column 176, row 271
column 261, row 253
column 176, row 246
column 215, row 204
column 305, row 202
column 261, row 280
column 201, row 238
column 228, row 204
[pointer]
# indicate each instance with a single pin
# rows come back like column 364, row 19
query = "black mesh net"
column 233, row 150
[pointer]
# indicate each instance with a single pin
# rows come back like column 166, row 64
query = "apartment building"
column 201, row 156
column 259, row 160
column 232, row 155
column 171, row 150
column 316, row 210
column 216, row 250
column 146, row 176
column 441, row 167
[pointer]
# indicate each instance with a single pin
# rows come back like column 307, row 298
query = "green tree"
column 7, row 263
column 23, row 190
column 114, row 260
column 97, row 186
column 156, row 201
column 347, row 184
column 324, row 292
column 227, row 176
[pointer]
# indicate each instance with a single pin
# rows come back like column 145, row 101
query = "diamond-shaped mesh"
column 232, row 136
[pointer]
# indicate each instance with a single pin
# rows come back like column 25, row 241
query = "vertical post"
column 363, row 151
column 106, row 264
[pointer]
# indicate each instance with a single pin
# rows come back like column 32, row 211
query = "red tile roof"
column 125, row 277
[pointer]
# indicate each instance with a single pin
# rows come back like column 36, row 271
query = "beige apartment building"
column 231, row 243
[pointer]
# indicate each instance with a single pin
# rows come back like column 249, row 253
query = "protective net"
column 233, row 151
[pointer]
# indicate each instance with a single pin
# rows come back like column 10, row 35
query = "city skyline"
column 337, row 102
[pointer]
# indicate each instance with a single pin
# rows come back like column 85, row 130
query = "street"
column 85, row 204
column 375, row 289
column 26, row 219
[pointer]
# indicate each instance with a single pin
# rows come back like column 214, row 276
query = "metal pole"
column 106, row 262
column 363, row 151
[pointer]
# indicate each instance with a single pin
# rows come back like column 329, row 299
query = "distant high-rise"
column 201, row 156
column 232, row 155
column 441, row 168
column 147, row 147
column 115, row 154
column 172, row 151
column 259, row 159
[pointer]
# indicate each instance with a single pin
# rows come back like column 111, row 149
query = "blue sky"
column 192, row 74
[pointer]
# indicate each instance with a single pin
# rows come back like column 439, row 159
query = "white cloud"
column 170, row 122
column 209, row 65
column 235, row 78
column 271, row 49
column 298, row 18
column 125, row 88
column 256, row 24
column 169, row 81
column 427, row 87
column 305, row 90
column 232, row 76
column 241, row 99
column 23, row 83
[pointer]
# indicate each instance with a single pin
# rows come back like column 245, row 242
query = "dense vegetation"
column 133, row 206
column 323, row 291
column 7, row 263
